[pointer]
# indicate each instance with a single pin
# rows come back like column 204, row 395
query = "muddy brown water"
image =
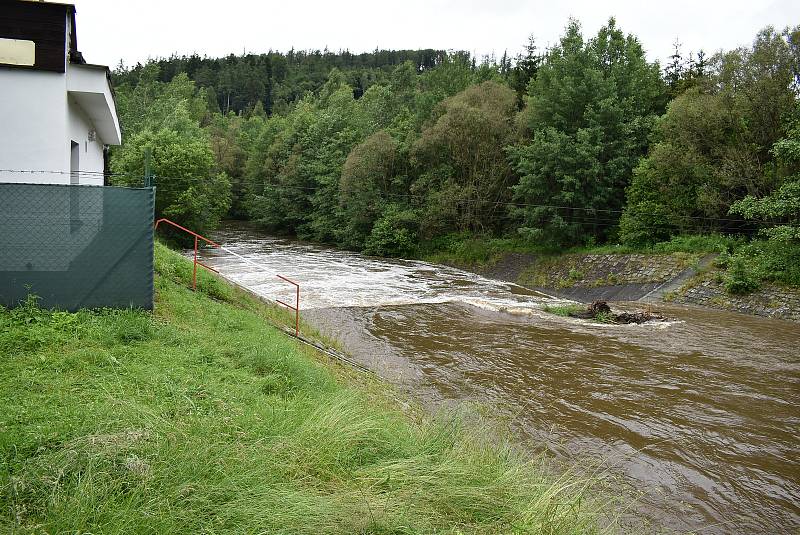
column 698, row 415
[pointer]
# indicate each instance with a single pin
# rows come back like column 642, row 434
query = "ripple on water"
column 699, row 413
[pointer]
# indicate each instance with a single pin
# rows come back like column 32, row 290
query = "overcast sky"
column 134, row 31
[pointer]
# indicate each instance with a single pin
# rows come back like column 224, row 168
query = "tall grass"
column 472, row 251
column 201, row 417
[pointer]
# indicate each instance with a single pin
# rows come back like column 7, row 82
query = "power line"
column 518, row 204
column 78, row 172
column 287, row 187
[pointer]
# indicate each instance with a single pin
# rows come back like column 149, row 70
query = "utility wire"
column 516, row 204
column 78, row 172
column 460, row 202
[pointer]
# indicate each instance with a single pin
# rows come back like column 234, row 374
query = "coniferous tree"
column 527, row 64
column 674, row 70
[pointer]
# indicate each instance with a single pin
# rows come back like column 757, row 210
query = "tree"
column 394, row 234
column 713, row 146
column 298, row 184
column 366, row 183
column 187, row 189
column 674, row 70
column 452, row 75
column 674, row 187
column 525, row 69
column 778, row 257
column 783, row 204
column 590, row 111
column 165, row 119
column 465, row 174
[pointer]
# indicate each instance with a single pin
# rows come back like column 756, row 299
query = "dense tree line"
column 275, row 79
column 586, row 142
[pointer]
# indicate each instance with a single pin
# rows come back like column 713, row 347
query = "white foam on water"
column 331, row 278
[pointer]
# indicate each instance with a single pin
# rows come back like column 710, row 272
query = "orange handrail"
column 196, row 262
column 196, row 237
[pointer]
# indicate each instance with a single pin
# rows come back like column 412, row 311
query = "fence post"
column 297, row 313
column 148, row 171
column 195, row 262
column 296, row 306
column 194, row 271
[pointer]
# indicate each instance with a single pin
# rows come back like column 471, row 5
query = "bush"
column 699, row 243
column 769, row 261
column 739, row 278
column 394, row 234
column 761, row 260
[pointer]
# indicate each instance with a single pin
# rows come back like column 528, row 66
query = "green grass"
column 564, row 310
column 203, row 418
column 478, row 252
column 604, row 317
column 692, row 243
column 575, row 308
column 473, row 251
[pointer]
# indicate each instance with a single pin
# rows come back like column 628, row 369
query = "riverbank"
column 635, row 398
column 684, row 272
column 202, row 417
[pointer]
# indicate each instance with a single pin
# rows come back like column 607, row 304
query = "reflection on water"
column 700, row 413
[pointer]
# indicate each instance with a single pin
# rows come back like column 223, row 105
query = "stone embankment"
column 770, row 300
column 678, row 278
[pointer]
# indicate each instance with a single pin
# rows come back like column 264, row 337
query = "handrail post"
column 297, row 313
column 194, row 271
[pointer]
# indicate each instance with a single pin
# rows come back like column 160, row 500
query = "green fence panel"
column 76, row 246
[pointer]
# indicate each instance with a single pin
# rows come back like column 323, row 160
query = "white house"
column 57, row 112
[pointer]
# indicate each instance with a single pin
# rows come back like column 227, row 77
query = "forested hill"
column 584, row 143
column 276, row 79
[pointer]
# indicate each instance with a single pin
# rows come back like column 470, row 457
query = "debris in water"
column 599, row 310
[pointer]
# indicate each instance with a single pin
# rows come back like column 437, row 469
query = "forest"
column 397, row 153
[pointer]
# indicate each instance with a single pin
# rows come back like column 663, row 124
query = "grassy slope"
column 202, row 418
column 477, row 253
column 741, row 266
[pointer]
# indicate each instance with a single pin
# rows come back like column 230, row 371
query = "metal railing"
column 196, row 262
column 196, row 237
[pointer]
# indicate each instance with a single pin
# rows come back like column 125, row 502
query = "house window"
column 74, row 163
column 17, row 52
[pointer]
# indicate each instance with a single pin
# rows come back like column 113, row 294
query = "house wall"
column 46, row 106
column 38, row 120
column 33, row 126
column 91, row 152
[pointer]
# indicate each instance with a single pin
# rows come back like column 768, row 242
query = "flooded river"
column 698, row 415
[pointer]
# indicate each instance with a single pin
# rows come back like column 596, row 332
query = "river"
column 698, row 415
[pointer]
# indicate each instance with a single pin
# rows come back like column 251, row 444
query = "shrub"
column 739, row 279
column 394, row 234
column 699, row 243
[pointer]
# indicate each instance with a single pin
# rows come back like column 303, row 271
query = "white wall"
column 33, row 126
column 89, row 87
column 91, row 152
column 42, row 112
